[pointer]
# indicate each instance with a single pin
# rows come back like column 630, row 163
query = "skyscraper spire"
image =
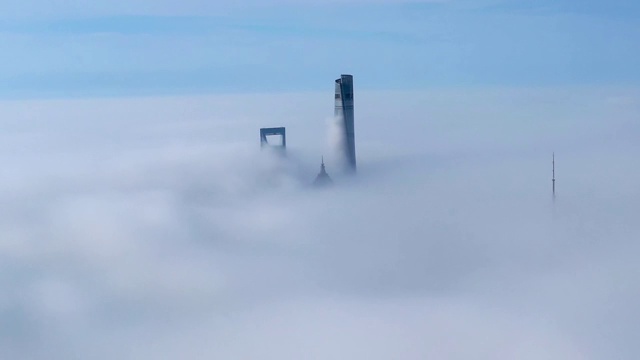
column 323, row 178
column 553, row 176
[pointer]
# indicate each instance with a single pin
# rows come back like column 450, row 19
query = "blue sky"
column 119, row 48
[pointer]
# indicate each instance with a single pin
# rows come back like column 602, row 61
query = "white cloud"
column 154, row 228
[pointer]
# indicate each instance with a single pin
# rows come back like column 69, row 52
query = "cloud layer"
column 154, row 228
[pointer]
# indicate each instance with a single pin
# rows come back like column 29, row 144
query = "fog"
column 155, row 228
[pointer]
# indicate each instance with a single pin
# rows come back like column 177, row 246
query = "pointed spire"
column 553, row 174
column 322, row 178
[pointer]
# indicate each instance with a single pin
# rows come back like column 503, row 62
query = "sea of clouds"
column 155, row 228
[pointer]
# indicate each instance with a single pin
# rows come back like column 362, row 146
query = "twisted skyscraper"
column 344, row 114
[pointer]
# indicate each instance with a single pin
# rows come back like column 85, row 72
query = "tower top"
column 345, row 78
column 323, row 178
column 553, row 175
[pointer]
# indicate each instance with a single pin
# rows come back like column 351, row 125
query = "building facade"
column 344, row 114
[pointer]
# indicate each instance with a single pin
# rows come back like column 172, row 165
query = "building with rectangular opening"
column 265, row 133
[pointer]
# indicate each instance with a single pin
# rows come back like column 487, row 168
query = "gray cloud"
column 154, row 228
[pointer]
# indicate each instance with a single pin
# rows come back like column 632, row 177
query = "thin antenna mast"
column 553, row 179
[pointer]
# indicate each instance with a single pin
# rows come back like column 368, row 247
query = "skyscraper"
column 323, row 178
column 344, row 114
column 280, row 132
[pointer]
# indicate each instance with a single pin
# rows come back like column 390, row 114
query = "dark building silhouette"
column 323, row 178
column 344, row 114
column 279, row 131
